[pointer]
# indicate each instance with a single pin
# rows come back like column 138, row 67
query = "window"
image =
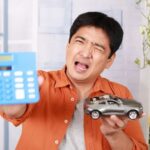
column 112, row 103
column 1, row 25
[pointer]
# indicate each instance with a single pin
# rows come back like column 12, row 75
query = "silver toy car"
column 112, row 105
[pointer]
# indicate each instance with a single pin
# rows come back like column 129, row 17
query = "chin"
column 79, row 77
column 75, row 75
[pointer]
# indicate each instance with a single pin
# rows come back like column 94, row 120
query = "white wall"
column 1, row 134
column 144, row 94
column 14, row 134
column 1, row 23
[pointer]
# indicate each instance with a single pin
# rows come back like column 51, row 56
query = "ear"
column 110, row 61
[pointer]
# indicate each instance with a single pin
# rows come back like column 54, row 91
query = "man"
column 57, row 121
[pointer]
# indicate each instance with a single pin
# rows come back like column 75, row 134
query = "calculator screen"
column 5, row 58
column 5, row 68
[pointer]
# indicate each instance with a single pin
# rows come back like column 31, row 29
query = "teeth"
column 76, row 63
column 81, row 65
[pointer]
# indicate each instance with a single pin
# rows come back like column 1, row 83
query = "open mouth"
column 80, row 67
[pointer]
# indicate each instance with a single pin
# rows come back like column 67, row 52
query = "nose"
column 87, row 50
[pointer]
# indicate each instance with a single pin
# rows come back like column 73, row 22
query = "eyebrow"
column 80, row 38
column 96, row 44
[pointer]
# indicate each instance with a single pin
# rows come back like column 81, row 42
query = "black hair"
column 100, row 20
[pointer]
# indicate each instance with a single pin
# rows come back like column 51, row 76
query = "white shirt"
column 74, row 138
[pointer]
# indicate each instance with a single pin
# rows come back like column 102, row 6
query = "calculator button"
column 18, row 73
column 29, row 73
column 19, row 85
column 6, row 74
column 1, row 94
column 7, row 80
column 8, row 86
column 20, row 94
column 32, row 96
column 1, row 88
column 31, row 79
column 31, row 90
column 18, row 79
column 8, row 92
column 30, row 85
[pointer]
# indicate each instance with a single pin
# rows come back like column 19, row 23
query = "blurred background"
column 43, row 26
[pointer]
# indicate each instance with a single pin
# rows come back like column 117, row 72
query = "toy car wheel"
column 133, row 114
column 95, row 114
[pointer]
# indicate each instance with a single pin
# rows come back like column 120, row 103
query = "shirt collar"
column 101, row 84
column 62, row 79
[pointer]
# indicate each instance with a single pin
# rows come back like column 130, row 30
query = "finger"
column 108, row 127
column 120, row 123
column 40, row 80
column 109, row 122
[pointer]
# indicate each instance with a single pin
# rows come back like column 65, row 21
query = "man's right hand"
column 16, row 111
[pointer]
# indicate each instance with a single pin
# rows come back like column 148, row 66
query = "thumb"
column 40, row 80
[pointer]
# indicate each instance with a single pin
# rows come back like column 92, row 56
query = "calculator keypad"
column 17, row 85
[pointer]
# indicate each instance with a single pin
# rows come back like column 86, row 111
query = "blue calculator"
column 18, row 78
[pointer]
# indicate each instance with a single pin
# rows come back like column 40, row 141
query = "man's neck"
column 83, row 89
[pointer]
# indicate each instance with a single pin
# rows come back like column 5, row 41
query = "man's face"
column 87, row 54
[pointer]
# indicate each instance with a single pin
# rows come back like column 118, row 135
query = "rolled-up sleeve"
column 134, row 131
column 18, row 121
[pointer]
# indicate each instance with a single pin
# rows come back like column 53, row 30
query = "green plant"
column 145, row 32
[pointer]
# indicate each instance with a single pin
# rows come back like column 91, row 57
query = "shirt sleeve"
column 134, row 131
column 18, row 121
column 133, row 128
column 139, row 146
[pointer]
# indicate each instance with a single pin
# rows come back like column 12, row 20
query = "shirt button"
column 66, row 121
column 72, row 99
column 56, row 142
